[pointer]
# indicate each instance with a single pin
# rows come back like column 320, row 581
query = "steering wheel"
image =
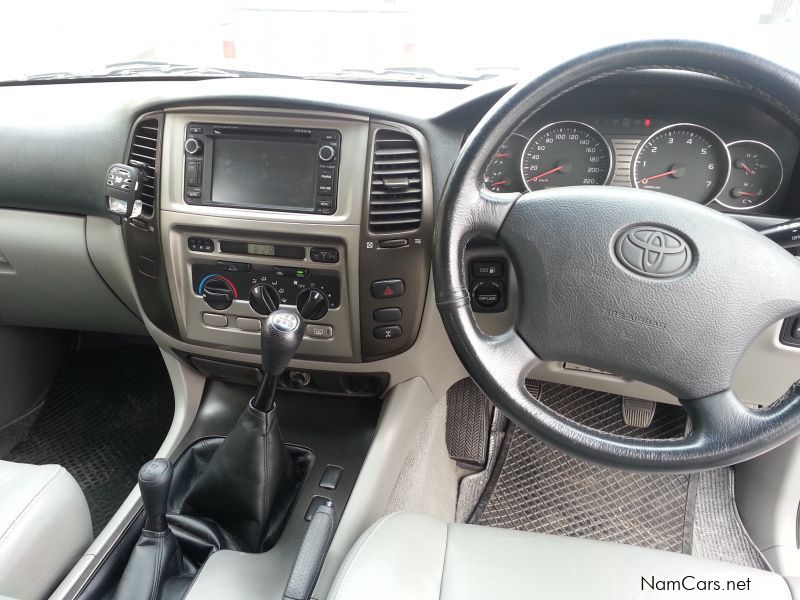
column 711, row 284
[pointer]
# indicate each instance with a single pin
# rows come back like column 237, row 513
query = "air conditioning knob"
column 312, row 304
column 193, row 146
column 264, row 299
column 218, row 293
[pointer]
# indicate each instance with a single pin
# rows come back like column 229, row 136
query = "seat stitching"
column 29, row 506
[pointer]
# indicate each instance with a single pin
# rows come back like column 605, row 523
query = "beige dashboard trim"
column 340, row 230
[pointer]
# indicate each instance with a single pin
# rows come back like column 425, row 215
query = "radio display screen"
column 263, row 173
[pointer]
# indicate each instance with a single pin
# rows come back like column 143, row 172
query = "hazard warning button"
column 388, row 288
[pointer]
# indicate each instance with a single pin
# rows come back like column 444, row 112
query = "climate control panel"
column 223, row 282
column 265, row 288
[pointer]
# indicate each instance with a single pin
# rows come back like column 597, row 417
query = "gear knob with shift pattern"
column 155, row 478
column 155, row 557
column 281, row 335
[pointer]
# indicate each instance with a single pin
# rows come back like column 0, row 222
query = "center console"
column 258, row 236
column 257, row 209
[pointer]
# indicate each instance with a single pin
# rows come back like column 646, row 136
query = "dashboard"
column 263, row 208
column 323, row 195
column 704, row 146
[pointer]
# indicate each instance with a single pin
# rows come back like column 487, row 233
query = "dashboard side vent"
column 144, row 155
column 395, row 199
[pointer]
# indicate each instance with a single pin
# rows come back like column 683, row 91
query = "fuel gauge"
column 756, row 174
column 502, row 174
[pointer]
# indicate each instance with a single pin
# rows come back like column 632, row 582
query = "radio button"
column 195, row 146
column 201, row 244
column 193, row 172
column 326, row 153
column 324, row 255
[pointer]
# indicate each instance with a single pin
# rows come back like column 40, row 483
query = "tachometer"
column 566, row 153
column 756, row 174
column 684, row 160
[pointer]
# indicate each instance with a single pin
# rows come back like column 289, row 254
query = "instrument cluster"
column 683, row 159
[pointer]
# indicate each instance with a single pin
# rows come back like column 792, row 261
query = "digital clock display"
column 261, row 249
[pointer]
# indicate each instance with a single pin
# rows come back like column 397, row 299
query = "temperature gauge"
column 502, row 174
column 756, row 174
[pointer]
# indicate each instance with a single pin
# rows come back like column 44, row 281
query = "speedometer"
column 684, row 160
column 566, row 153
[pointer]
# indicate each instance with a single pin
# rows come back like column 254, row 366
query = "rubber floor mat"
column 536, row 487
column 718, row 531
column 106, row 414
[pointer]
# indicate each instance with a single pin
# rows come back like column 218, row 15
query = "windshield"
column 365, row 39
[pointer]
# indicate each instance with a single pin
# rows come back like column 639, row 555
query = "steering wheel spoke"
column 506, row 358
column 717, row 416
column 492, row 210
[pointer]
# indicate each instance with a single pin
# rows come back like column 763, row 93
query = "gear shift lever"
column 155, row 478
column 155, row 556
column 281, row 335
column 252, row 470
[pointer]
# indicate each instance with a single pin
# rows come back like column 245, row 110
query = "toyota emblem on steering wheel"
column 653, row 252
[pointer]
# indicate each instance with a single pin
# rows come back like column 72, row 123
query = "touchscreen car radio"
column 267, row 168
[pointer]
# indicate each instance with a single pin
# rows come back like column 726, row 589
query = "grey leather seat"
column 44, row 528
column 413, row 556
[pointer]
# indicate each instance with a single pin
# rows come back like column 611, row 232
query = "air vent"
column 144, row 152
column 395, row 200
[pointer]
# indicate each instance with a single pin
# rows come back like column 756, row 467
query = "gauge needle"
column 643, row 179
column 540, row 175
column 503, row 155
column 741, row 165
column 501, row 182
